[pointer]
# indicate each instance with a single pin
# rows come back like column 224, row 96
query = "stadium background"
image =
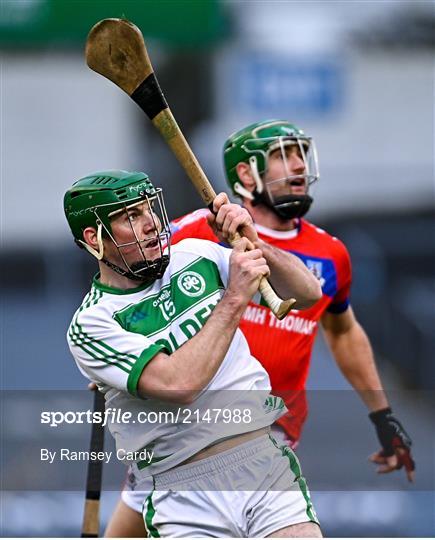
column 359, row 77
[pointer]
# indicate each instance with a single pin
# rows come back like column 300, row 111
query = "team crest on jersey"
column 191, row 283
column 316, row 267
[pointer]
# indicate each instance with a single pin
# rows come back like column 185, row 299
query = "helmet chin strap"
column 259, row 186
column 292, row 206
column 289, row 207
column 98, row 254
column 152, row 272
column 241, row 190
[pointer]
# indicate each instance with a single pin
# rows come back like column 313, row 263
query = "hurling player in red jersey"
column 270, row 165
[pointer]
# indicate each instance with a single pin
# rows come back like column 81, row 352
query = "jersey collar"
column 279, row 235
column 113, row 290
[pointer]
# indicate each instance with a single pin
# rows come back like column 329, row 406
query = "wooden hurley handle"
column 166, row 124
column 115, row 48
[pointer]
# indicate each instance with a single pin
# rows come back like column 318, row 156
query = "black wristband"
column 379, row 416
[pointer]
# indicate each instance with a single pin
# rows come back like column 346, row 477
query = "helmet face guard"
column 144, row 268
column 253, row 145
column 277, row 194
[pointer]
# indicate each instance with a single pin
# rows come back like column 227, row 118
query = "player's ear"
column 245, row 176
column 90, row 237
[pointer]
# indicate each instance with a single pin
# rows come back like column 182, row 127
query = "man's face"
column 136, row 231
column 285, row 172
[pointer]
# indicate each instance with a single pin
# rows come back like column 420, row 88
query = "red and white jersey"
column 284, row 347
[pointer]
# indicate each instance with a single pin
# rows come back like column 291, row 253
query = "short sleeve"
column 108, row 354
column 341, row 299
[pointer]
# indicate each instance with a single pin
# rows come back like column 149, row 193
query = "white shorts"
column 251, row 490
column 134, row 498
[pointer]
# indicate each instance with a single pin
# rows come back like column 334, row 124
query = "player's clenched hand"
column 229, row 218
column 246, row 270
column 396, row 444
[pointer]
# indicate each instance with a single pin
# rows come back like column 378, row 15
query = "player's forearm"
column 354, row 356
column 290, row 277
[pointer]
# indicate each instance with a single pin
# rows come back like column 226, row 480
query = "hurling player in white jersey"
column 158, row 334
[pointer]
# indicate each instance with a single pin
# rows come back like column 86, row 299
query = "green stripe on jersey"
column 93, row 346
column 187, row 288
column 97, row 349
column 87, row 344
column 92, row 298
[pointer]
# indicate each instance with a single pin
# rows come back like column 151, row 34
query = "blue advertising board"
column 274, row 82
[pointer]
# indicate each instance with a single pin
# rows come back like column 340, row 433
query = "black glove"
column 394, row 441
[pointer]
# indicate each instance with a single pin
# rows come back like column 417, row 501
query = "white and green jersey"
column 116, row 333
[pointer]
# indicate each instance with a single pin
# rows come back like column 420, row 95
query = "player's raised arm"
column 288, row 275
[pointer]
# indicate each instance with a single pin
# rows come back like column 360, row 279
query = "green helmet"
column 253, row 144
column 92, row 201
column 106, row 191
